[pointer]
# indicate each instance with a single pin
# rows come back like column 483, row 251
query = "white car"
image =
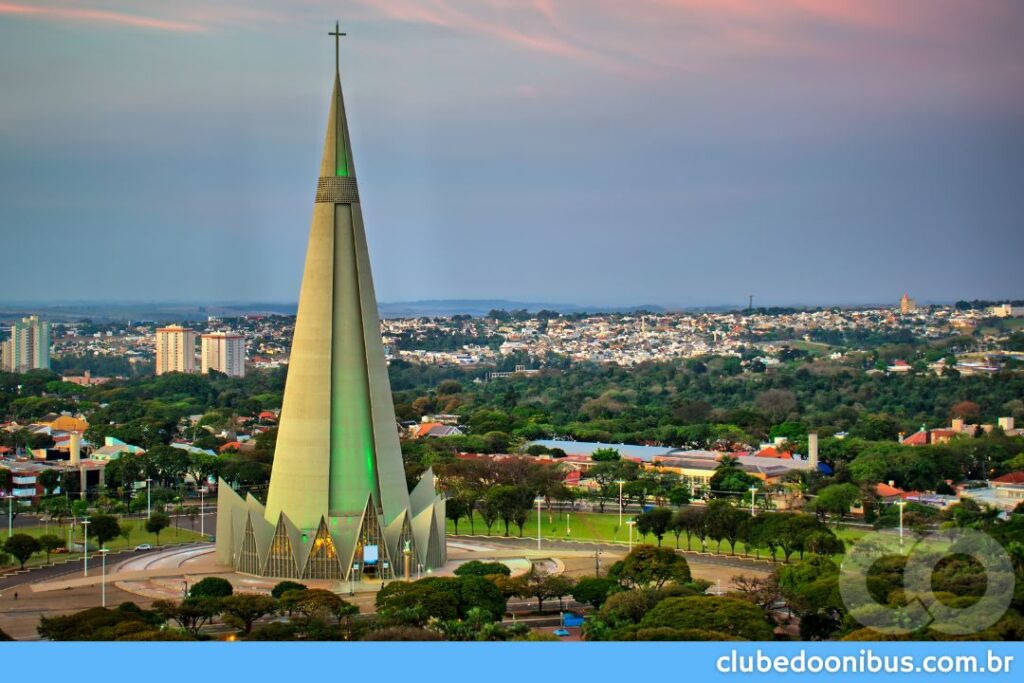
column 144, row 546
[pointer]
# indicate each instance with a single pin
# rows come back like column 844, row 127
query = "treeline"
column 677, row 404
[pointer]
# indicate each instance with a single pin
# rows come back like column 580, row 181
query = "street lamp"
column 149, row 497
column 631, row 523
column 85, row 545
column 567, row 529
column 103, row 583
column 753, row 493
column 10, row 514
column 202, row 512
column 620, row 483
column 901, row 504
column 538, row 522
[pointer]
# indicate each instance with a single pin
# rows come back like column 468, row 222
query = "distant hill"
column 479, row 307
column 163, row 312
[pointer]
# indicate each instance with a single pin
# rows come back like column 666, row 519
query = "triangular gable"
column 421, row 532
column 398, row 533
column 347, row 536
column 322, row 561
column 280, row 557
column 300, row 542
column 248, row 554
column 423, row 494
column 440, row 529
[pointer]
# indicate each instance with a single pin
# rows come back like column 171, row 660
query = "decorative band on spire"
column 337, row 190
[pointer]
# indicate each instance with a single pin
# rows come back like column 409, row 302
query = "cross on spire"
column 337, row 38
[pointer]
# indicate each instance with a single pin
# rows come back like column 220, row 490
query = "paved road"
column 51, row 572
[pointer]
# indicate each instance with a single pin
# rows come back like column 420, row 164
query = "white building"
column 29, row 346
column 175, row 349
column 223, row 352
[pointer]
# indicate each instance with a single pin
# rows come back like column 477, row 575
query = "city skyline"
column 817, row 153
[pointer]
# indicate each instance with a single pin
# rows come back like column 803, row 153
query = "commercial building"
column 223, row 352
column 28, row 347
column 338, row 506
column 175, row 349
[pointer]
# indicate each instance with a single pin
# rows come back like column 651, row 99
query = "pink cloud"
column 97, row 16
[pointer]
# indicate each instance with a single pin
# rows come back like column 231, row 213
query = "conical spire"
column 337, row 440
column 338, row 472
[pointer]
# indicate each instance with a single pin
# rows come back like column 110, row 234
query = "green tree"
column 126, row 532
column 729, row 478
column 724, row 522
column 242, row 610
column 104, row 528
column 478, row 568
column 679, row 496
column 649, row 566
column 211, row 587
column 49, row 479
column 22, row 547
column 605, row 455
column 283, row 587
column 656, row 521
column 49, row 543
column 835, row 500
column 593, row 590
column 156, row 523
column 455, row 509
column 726, row 615
column 479, row 593
column 191, row 615
column 541, row 585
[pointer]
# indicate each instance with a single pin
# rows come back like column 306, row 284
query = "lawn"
column 138, row 536
column 817, row 348
column 603, row 527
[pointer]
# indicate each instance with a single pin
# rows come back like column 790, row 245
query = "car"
column 58, row 551
column 143, row 547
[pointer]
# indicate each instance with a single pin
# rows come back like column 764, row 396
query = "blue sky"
column 673, row 152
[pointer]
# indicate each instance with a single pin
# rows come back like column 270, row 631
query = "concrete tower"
column 338, row 503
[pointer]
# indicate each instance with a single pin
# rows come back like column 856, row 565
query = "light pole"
column 901, row 504
column 103, row 583
column 538, row 522
column 753, row 492
column 597, row 563
column 620, row 483
column 149, row 497
column 567, row 529
column 85, row 545
column 202, row 512
column 631, row 523
column 10, row 514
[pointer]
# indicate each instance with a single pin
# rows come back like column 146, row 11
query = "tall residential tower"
column 223, row 352
column 28, row 347
column 175, row 349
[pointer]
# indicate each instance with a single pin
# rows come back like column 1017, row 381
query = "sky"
column 593, row 152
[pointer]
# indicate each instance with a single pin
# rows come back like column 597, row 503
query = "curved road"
column 693, row 557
